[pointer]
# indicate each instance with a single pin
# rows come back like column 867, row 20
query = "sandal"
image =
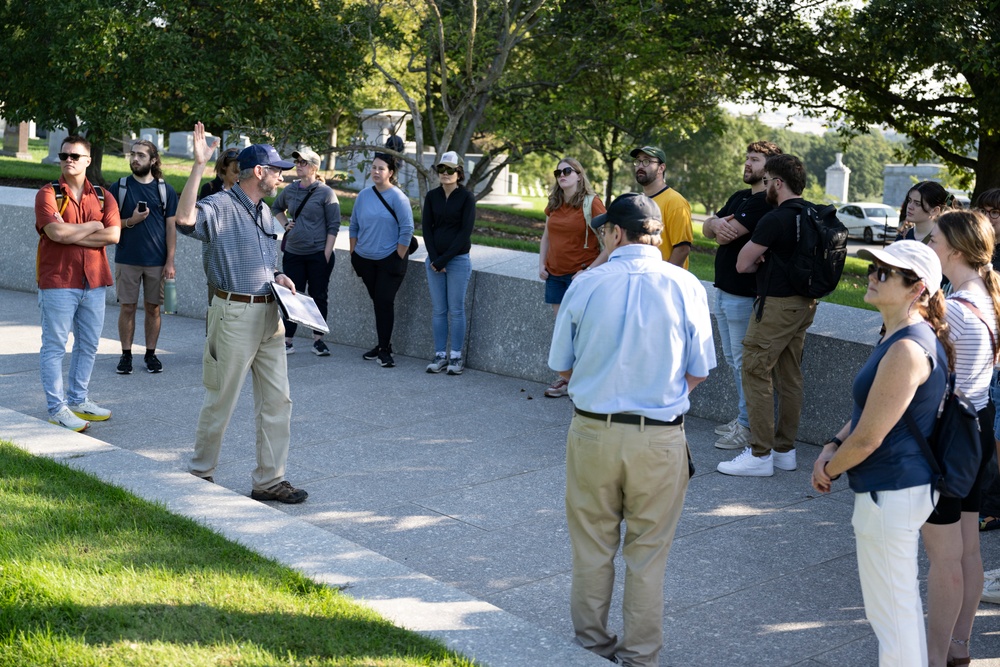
column 959, row 662
column 988, row 523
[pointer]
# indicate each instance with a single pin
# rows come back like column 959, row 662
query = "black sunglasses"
column 565, row 171
column 444, row 169
column 75, row 157
column 883, row 273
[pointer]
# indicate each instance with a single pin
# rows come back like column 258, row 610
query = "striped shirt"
column 973, row 351
column 242, row 253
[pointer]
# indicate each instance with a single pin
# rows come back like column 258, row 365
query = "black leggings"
column 311, row 274
column 383, row 278
column 949, row 510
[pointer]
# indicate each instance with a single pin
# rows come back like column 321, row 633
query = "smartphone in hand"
column 141, row 208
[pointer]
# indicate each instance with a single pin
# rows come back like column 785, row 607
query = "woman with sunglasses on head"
column 310, row 233
column 924, row 201
column 568, row 244
column 449, row 216
column 227, row 173
column 884, row 462
column 381, row 230
column 964, row 242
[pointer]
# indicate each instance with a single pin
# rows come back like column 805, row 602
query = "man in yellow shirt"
column 677, row 235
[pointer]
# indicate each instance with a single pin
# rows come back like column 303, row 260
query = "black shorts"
column 949, row 510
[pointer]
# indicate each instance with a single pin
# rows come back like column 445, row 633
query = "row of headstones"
column 181, row 144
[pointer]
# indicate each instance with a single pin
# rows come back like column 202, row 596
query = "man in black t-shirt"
column 772, row 347
column 731, row 227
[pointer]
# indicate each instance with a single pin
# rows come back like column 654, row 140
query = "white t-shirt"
column 973, row 350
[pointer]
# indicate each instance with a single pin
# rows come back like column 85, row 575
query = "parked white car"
column 872, row 222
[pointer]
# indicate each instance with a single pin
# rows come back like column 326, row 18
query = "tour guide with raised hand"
column 626, row 452
column 245, row 331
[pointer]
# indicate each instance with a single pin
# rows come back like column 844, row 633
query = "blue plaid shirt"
column 242, row 255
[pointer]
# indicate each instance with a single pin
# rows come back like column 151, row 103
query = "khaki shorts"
column 128, row 277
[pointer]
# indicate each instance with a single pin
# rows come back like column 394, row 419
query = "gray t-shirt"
column 319, row 217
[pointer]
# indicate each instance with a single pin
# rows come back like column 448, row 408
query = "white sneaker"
column 67, row 419
column 90, row 411
column 991, row 587
column 726, row 428
column 748, row 465
column 784, row 460
column 738, row 438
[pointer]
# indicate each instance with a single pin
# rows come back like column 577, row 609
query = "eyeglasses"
column 140, row 156
column 883, row 273
column 767, row 180
column 645, row 162
column 565, row 171
column 301, row 163
column 991, row 213
column 444, row 169
column 75, row 157
column 273, row 170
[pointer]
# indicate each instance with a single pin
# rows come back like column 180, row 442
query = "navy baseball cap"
column 632, row 211
column 263, row 154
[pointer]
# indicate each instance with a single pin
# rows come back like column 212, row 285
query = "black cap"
column 632, row 211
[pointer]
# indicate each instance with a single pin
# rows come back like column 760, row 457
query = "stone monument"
column 838, row 177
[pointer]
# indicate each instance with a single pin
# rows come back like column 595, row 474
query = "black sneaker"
column 125, row 364
column 153, row 364
column 320, row 349
column 283, row 492
column 385, row 359
column 370, row 354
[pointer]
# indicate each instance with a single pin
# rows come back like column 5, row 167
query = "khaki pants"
column 772, row 361
column 618, row 472
column 242, row 337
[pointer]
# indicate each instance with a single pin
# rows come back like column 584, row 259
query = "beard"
column 266, row 191
column 139, row 170
column 771, row 197
column 643, row 177
column 752, row 178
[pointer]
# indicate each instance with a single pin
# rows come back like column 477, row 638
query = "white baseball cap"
column 912, row 255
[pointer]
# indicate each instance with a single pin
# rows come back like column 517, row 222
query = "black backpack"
column 955, row 449
column 818, row 261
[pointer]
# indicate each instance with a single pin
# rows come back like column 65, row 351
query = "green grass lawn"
column 91, row 576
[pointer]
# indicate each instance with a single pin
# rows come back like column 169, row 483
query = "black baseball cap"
column 632, row 211
column 263, row 154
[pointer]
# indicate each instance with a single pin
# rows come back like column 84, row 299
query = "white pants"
column 887, row 529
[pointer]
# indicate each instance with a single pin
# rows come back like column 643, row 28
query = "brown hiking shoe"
column 283, row 492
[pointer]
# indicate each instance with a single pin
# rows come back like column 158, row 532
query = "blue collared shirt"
column 242, row 255
column 631, row 329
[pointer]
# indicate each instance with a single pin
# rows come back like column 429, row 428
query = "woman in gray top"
column 310, row 233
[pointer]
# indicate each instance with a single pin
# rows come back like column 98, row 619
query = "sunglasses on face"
column 565, row 171
column 883, row 273
column 75, row 157
column 444, row 169
column 767, row 180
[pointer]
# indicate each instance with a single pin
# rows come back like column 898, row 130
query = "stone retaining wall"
column 509, row 325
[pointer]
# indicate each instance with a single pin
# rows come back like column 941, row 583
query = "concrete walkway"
column 439, row 501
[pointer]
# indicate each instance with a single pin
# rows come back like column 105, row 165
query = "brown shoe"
column 283, row 492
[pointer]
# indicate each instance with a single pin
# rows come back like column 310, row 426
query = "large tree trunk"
column 95, row 172
column 988, row 165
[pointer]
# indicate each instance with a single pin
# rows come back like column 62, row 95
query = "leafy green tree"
column 926, row 69
column 79, row 64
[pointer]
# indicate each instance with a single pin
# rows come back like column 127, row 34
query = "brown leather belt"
column 244, row 298
column 623, row 418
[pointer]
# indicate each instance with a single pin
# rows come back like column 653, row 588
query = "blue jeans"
column 448, row 301
column 733, row 315
column 63, row 310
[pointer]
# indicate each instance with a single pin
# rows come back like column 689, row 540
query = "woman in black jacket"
column 448, row 218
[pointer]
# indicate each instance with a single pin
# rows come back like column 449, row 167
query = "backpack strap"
column 122, row 191
column 161, row 187
column 978, row 313
column 588, row 214
column 62, row 201
column 99, row 191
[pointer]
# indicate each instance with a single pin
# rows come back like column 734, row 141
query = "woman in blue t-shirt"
column 884, row 463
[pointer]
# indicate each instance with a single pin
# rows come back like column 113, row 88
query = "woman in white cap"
column 449, row 216
column 963, row 241
column 568, row 244
column 885, row 465
column 309, row 211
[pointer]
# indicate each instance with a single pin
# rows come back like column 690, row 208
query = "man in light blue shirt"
column 633, row 337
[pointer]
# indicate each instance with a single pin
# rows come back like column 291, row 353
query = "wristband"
column 828, row 474
column 837, row 441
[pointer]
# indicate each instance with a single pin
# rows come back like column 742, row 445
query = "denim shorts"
column 555, row 288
